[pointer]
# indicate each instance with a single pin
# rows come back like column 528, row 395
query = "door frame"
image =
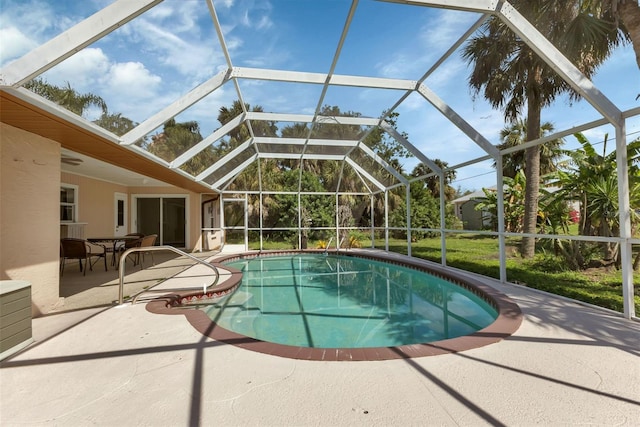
column 187, row 214
column 120, row 231
column 223, row 224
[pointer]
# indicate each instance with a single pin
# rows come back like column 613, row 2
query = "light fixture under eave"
column 73, row 161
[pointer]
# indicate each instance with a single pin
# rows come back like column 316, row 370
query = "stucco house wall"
column 473, row 219
column 95, row 203
column 30, row 214
column 30, row 179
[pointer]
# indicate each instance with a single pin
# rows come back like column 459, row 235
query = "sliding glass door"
column 164, row 216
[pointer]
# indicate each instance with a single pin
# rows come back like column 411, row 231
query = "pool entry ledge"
column 507, row 322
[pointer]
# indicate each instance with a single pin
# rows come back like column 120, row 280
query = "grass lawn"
column 479, row 254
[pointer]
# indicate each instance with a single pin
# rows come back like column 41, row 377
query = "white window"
column 68, row 203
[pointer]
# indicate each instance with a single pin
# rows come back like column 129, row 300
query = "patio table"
column 114, row 240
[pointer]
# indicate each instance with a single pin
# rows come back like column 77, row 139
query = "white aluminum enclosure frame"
column 43, row 58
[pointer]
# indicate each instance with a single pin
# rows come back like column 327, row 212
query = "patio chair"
column 146, row 241
column 128, row 244
column 80, row 249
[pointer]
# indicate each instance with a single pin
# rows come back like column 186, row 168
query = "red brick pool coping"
column 508, row 320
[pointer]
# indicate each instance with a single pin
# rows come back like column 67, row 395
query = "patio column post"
column 386, row 220
column 443, row 225
column 299, row 224
column 223, row 231
column 246, row 221
column 408, row 198
column 373, row 235
column 261, row 220
column 500, row 210
column 624, row 211
column 337, row 222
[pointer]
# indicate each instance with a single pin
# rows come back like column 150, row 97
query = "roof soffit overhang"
column 83, row 139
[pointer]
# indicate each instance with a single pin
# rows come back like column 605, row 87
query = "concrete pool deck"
column 123, row 366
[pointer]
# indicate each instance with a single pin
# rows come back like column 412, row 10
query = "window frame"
column 73, row 205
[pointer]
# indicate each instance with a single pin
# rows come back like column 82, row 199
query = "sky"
column 159, row 56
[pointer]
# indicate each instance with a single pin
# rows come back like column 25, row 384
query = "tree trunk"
column 532, row 172
column 629, row 13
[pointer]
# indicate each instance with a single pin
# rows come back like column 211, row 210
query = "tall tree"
column 512, row 77
column 67, row 97
column 116, row 123
column 625, row 14
column 433, row 182
column 248, row 179
column 514, row 135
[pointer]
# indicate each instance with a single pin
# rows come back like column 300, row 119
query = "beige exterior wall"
column 95, row 203
column 30, row 214
column 30, row 178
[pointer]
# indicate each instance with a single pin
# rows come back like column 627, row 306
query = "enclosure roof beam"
column 224, row 160
column 321, row 78
column 458, row 121
column 177, row 107
column 410, row 147
column 206, row 142
column 235, row 171
column 308, row 118
column 76, row 38
column 383, row 163
column 366, row 174
column 301, row 141
column 296, row 156
column 481, row 6
column 162, row 162
column 279, row 117
column 219, row 33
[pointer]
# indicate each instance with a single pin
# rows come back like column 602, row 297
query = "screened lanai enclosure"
column 353, row 127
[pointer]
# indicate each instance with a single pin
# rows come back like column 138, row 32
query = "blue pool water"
column 327, row 301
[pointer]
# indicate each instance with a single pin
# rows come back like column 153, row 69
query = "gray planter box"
column 15, row 316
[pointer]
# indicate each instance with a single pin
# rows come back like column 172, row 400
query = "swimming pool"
column 350, row 307
column 330, row 301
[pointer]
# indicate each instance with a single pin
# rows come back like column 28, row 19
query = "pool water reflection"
column 329, row 301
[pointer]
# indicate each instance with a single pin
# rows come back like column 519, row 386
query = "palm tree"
column 512, row 77
column 625, row 14
column 433, row 182
column 67, row 97
column 116, row 123
column 514, row 135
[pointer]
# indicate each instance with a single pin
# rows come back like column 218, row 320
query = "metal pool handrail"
column 326, row 249
column 338, row 245
column 128, row 252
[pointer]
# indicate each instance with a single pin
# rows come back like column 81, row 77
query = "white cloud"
column 435, row 37
column 14, row 44
column 445, row 28
column 132, row 80
column 264, row 22
column 180, row 51
column 256, row 15
column 225, row 3
column 82, row 70
column 178, row 19
column 400, row 66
